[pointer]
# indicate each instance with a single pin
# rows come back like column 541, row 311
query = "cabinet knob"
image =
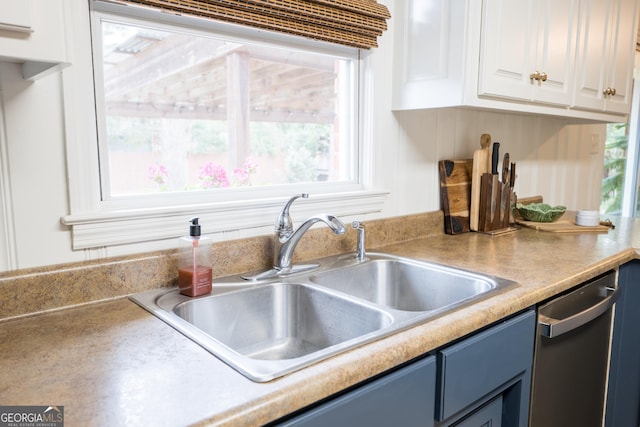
column 538, row 76
column 610, row 91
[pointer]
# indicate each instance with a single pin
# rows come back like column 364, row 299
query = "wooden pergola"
column 179, row 76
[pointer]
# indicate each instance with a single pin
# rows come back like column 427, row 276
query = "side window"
column 181, row 110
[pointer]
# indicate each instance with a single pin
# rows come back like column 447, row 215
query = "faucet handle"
column 284, row 224
column 361, row 253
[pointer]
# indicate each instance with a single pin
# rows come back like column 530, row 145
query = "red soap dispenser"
column 194, row 268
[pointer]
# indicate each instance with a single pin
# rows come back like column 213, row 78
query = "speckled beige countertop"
column 111, row 363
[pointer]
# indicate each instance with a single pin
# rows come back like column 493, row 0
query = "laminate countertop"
column 112, row 363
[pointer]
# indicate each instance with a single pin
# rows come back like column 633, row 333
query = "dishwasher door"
column 572, row 356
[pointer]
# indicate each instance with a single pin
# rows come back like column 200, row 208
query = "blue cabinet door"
column 403, row 398
column 623, row 398
column 483, row 364
column 490, row 415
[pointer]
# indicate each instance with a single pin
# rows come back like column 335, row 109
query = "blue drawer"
column 476, row 366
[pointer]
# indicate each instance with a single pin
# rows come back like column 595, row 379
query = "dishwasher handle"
column 551, row 328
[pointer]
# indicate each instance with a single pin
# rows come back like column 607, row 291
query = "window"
column 173, row 116
column 615, row 161
column 621, row 181
column 185, row 111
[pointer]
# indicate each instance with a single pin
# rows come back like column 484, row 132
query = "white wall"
column 553, row 159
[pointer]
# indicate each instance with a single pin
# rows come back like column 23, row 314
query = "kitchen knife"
column 512, row 177
column 495, row 183
column 494, row 158
column 505, row 169
column 505, row 192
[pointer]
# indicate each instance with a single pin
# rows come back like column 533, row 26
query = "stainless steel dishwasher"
column 572, row 356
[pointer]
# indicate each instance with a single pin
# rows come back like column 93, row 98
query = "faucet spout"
column 286, row 240
column 285, row 245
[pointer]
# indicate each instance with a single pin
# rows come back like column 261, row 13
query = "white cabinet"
column 33, row 34
column 604, row 70
column 16, row 15
column 527, row 50
column 428, row 61
column 542, row 56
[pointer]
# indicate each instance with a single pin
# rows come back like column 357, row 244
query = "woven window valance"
column 355, row 23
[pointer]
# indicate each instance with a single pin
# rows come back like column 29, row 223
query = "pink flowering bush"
column 213, row 175
column 158, row 174
column 242, row 175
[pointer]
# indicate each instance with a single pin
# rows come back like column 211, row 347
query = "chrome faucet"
column 286, row 240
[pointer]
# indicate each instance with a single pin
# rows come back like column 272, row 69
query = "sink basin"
column 405, row 285
column 281, row 321
column 268, row 328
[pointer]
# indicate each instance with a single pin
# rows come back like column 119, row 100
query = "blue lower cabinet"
column 402, row 398
column 489, row 415
column 495, row 361
column 481, row 381
column 623, row 396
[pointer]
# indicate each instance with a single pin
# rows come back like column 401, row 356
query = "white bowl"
column 589, row 214
column 587, row 220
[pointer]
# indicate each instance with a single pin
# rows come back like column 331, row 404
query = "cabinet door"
column 606, row 55
column 490, row 415
column 479, row 365
column 527, row 50
column 428, row 53
column 403, row 398
column 623, row 395
column 620, row 61
column 16, row 15
column 555, row 51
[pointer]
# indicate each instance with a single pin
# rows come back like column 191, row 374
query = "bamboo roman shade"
column 355, row 23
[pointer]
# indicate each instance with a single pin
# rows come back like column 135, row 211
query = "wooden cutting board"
column 563, row 225
column 481, row 165
column 455, row 194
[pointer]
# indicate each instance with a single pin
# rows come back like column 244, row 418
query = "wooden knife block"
column 495, row 204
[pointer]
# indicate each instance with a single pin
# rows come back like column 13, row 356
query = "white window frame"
column 98, row 223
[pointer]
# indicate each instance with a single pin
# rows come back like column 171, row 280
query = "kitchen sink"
column 281, row 321
column 269, row 328
column 405, row 285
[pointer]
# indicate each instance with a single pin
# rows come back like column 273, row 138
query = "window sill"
column 120, row 227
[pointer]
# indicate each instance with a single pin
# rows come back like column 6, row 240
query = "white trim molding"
column 99, row 229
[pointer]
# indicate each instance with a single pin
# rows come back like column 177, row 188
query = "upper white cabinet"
column 16, row 16
column 429, row 55
column 605, row 60
column 527, row 50
column 33, row 34
column 555, row 57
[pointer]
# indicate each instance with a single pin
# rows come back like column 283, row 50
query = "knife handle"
column 494, row 158
column 505, row 168
column 512, row 178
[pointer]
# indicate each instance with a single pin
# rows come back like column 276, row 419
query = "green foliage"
column 615, row 156
column 132, row 134
column 208, row 136
column 298, row 142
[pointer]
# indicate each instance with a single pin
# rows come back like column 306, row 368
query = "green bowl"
column 540, row 212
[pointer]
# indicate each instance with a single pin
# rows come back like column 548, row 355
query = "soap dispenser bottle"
column 194, row 268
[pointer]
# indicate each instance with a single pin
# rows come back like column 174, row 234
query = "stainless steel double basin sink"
column 270, row 328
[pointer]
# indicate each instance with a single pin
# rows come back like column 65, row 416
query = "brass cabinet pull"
column 538, row 76
column 609, row 91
